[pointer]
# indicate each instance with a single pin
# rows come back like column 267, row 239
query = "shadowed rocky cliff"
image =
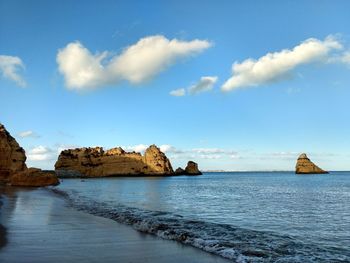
column 13, row 169
column 12, row 156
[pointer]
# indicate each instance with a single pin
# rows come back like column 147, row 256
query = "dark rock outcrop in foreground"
column 12, row 156
column 305, row 166
column 13, row 169
column 191, row 169
column 95, row 162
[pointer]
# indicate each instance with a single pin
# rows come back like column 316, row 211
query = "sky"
column 232, row 85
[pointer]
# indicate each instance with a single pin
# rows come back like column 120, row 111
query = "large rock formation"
column 34, row 177
column 12, row 156
column 191, row 169
column 13, row 169
column 95, row 162
column 305, row 166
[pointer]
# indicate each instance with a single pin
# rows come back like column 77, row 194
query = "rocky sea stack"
column 13, row 169
column 305, row 166
column 12, row 156
column 191, row 169
column 96, row 162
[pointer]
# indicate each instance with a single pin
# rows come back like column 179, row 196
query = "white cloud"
column 136, row 148
column 210, row 156
column 235, row 156
column 178, row 92
column 40, row 150
column 204, row 84
column 137, row 63
column 203, row 153
column 278, row 65
column 214, row 153
column 41, row 153
column 26, row 134
column 9, row 67
column 166, row 148
column 345, row 58
column 62, row 147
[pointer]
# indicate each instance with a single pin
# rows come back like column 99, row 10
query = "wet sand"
column 3, row 234
column 42, row 228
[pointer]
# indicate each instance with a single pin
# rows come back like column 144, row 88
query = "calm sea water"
column 246, row 217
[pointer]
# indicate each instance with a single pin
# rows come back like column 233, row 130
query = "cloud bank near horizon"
column 40, row 153
column 45, row 156
column 277, row 66
column 10, row 67
column 136, row 64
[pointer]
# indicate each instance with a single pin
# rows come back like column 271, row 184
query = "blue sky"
column 133, row 73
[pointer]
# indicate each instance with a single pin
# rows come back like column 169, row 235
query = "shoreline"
column 41, row 226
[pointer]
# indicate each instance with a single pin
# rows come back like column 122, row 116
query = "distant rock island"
column 96, row 162
column 305, row 166
column 83, row 162
column 191, row 169
column 13, row 169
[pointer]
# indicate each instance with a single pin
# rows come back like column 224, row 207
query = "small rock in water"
column 305, row 166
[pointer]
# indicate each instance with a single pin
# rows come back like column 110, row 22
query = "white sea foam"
column 237, row 244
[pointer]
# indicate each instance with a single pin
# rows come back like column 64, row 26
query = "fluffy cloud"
column 166, row 148
column 213, row 153
column 203, row 85
column 210, row 156
column 9, row 67
column 41, row 153
column 137, row 63
column 62, row 147
column 26, row 134
column 278, row 65
column 178, row 92
column 203, row 153
column 136, row 148
column 169, row 149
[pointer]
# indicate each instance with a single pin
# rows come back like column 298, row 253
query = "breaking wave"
column 235, row 243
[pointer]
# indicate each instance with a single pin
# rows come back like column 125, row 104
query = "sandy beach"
column 42, row 228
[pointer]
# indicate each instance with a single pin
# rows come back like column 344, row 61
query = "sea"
column 241, row 216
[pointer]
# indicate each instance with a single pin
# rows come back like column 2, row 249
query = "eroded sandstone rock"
column 305, row 166
column 12, row 156
column 191, row 169
column 13, row 169
column 34, row 177
column 95, row 162
column 156, row 160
